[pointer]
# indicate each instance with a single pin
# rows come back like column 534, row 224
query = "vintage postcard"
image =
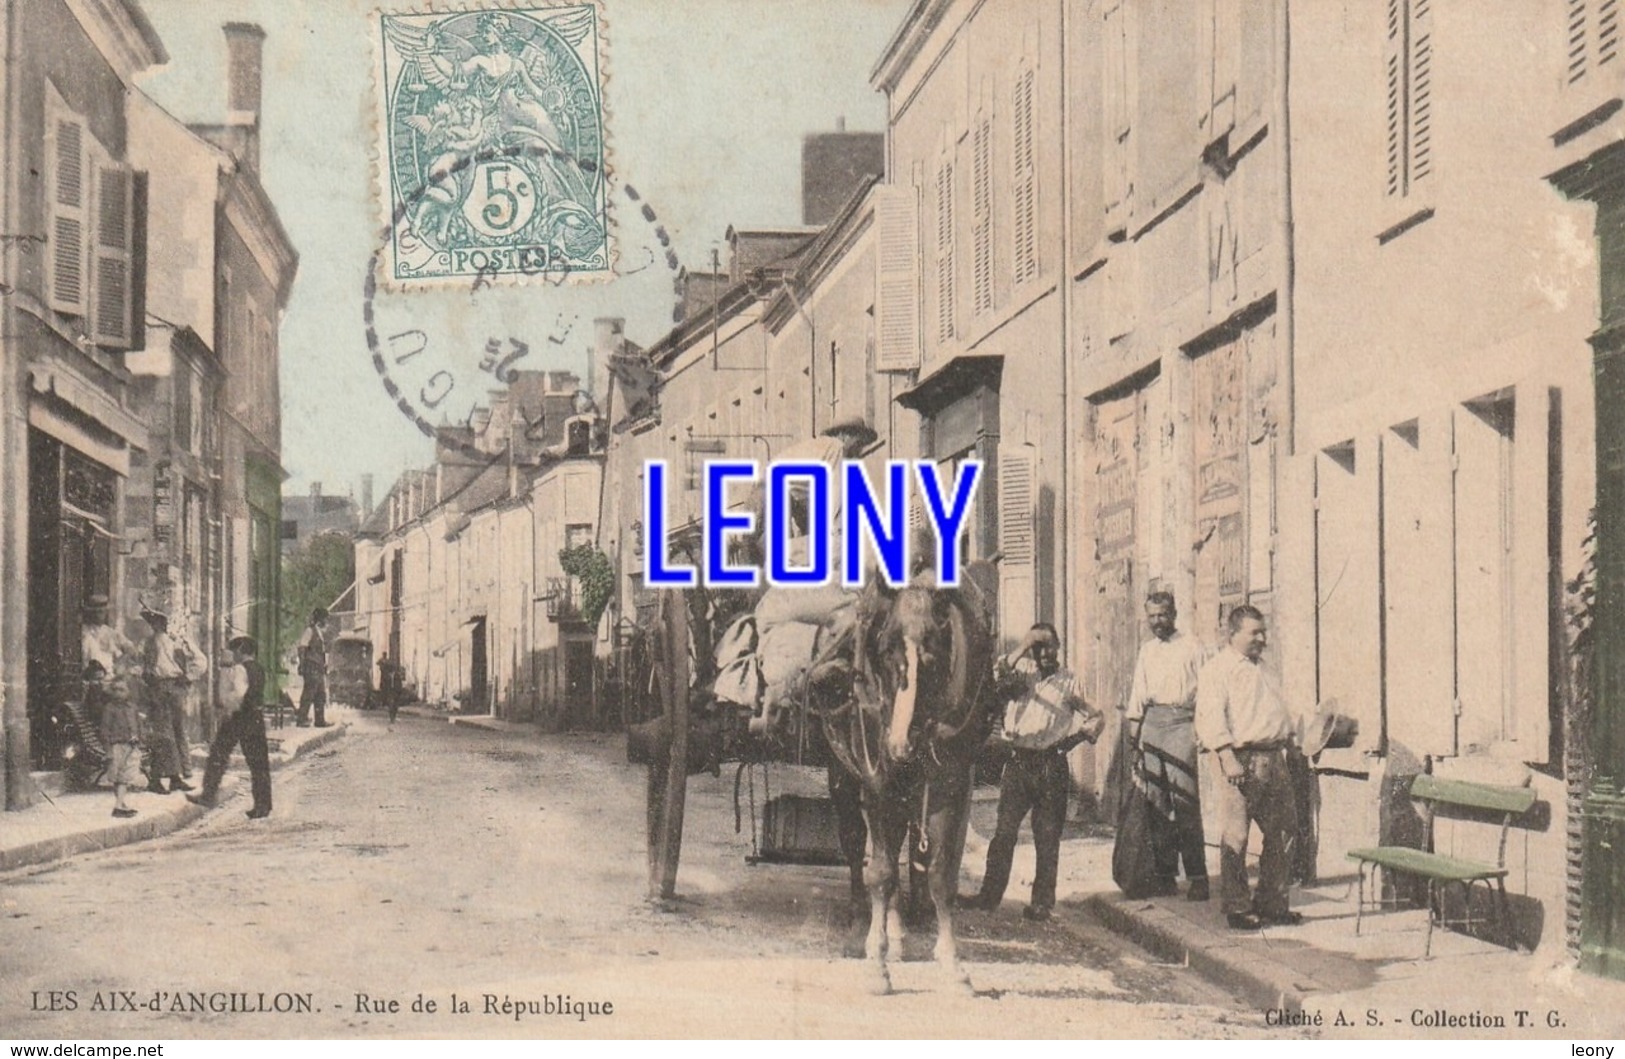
column 1071, row 519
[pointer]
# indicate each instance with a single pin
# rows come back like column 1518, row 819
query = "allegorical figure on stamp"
column 496, row 141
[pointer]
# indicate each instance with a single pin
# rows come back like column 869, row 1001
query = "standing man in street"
column 1241, row 717
column 1044, row 719
column 1162, row 717
column 165, row 662
column 243, row 691
column 313, row 671
column 102, row 642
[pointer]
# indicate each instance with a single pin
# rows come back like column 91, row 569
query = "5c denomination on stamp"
column 520, row 90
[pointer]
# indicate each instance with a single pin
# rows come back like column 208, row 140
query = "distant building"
column 304, row 516
column 832, row 164
column 458, row 576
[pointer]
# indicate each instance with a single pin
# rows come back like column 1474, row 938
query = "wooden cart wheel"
column 668, row 769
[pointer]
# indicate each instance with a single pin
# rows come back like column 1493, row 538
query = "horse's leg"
column 847, row 794
column 881, row 876
column 897, row 832
column 945, row 819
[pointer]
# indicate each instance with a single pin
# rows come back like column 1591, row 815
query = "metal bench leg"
column 1359, row 906
column 1503, row 913
column 1433, row 895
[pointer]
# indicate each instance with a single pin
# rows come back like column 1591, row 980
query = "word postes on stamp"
column 519, row 92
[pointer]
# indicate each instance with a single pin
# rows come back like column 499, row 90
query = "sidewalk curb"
column 154, row 825
column 1233, row 964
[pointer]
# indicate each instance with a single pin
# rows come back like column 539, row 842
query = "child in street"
column 121, row 731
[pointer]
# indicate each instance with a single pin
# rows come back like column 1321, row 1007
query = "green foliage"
column 312, row 576
column 593, row 570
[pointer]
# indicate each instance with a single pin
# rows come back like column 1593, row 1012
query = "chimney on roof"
column 366, row 494
column 315, row 490
column 245, row 47
column 608, row 332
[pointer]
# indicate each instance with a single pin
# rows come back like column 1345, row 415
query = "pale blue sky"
column 708, row 102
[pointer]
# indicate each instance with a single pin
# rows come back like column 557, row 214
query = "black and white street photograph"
column 845, row 520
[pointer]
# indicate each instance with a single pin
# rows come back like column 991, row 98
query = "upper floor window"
column 1408, row 70
column 1591, row 38
column 945, row 244
column 982, row 211
column 90, row 230
column 1024, row 176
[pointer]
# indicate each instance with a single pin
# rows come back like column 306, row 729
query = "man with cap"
column 243, row 692
column 100, row 641
column 165, row 662
column 313, row 671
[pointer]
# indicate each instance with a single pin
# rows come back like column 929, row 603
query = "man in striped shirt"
column 1043, row 720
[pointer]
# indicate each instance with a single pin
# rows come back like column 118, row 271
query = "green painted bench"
column 1439, row 870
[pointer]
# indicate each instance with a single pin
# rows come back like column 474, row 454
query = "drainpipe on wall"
column 1063, row 613
column 1285, row 282
column 19, row 786
column 812, row 358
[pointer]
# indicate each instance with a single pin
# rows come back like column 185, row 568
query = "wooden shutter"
column 1418, row 585
column 138, row 261
column 1016, row 488
column 945, row 247
column 1346, row 567
column 1025, row 182
column 1393, row 61
column 1115, row 93
column 1226, row 59
column 1420, row 79
column 67, row 191
column 982, row 208
column 1017, row 466
column 112, row 240
column 1532, row 568
column 897, row 297
column 1591, row 37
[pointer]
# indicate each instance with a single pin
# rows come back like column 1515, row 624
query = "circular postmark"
column 441, row 352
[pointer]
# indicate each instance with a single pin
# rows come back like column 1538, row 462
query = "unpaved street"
column 444, row 861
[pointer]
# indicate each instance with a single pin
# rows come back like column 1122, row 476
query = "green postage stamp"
column 494, row 159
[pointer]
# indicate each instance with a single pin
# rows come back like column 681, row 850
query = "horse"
column 904, row 715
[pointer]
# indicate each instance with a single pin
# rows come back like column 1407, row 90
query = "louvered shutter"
column 1393, row 61
column 66, row 289
column 1018, row 468
column 982, row 207
column 1591, row 37
column 112, row 241
column 897, row 298
column 1420, row 124
column 1026, row 178
column 1531, row 603
column 945, row 249
column 1115, row 70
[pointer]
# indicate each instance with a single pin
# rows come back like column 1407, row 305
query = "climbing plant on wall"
column 592, row 569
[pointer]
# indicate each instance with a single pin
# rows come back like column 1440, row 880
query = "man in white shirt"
column 1161, row 712
column 101, row 642
column 1241, row 717
column 1041, row 723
